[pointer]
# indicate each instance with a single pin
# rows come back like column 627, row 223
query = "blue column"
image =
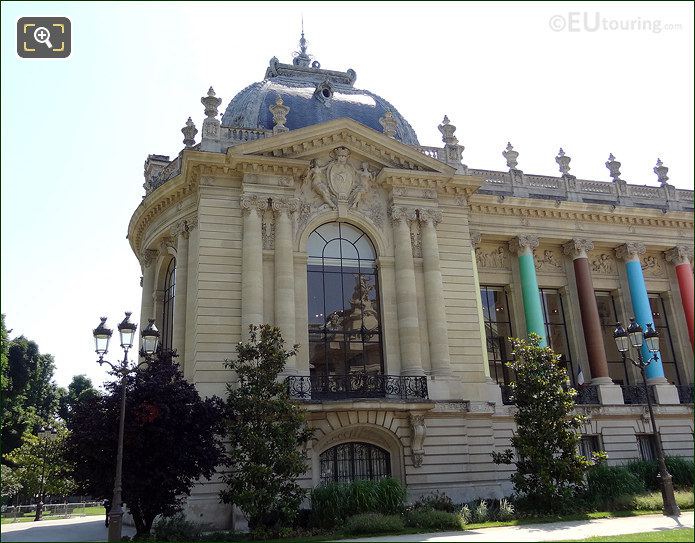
column 643, row 312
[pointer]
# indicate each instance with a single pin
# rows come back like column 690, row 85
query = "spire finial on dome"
column 302, row 58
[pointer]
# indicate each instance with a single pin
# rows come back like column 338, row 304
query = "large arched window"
column 354, row 461
column 168, row 305
column 344, row 313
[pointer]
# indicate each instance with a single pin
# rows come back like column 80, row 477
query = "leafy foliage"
column 431, row 519
column 549, row 469
column 266, row 433
column 607, row 482
column 41, row 460
column 79, row 389
column 332, row 503
column 681, row 470
column 436, row 500
column 9, row 482
column 176, row 528
column 373, row 523
column 29, row 396
column 170, row 440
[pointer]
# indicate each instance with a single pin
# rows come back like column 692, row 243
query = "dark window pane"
column 354, row 461
column 315, row 295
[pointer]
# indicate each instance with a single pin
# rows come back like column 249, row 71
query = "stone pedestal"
column 444, row 388
column 609, row 394
column 665, row 394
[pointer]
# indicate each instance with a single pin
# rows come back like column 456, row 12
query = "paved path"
column 554, row 531
column 90, row 528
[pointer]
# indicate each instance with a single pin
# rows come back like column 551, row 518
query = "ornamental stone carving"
column 388, row 122
column 417, row 441
column 189, row 131
column 548, row 262
column 475, row 238
column 416, row 239
column 268, row 230
column 578, row 248
column 604, row 264
column 630, row 251
column 511, row 156
column 652, row 266
column 375, row 212
column 492, row 258
column 400, row 213
column 339, row 181
column 660, row 170
column 283, row 204
column 279, row 111
column 523, row 243
column 613, row 168
column 680, row 254
column 148, row 257
column 430, row 215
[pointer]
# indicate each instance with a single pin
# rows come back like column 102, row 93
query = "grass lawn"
column 77, row 512
column 680, row 534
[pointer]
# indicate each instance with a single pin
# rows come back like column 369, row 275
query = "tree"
column 9, row 483
column 79, row 389
column 549, row 469
column 266, row 433
column 29, row 395
column 41, row 468
column 170, row 441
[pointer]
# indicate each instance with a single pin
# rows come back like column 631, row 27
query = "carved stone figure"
column 339, row 181
column 604, row 264
column 651, row 266
column 497, row 258
column 417, row 442
column 548, row 262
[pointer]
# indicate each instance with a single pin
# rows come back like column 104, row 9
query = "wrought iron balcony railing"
column 634, row 394
column 685, row 393
column 357, row 385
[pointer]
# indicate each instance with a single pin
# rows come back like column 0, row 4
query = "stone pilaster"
column 148, row 261
column 434, row 294
column 252, row 207
column 181, row 231
column 284, row 273
column 406, row 293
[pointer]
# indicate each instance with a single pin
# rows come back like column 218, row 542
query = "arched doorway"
column 354, row 461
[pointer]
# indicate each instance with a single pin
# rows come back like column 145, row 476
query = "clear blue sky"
column 75, row 132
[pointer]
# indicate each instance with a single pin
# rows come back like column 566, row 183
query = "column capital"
column 283, row 204
column 680, row 254
column 429, row 216
column 401, row 213
column 256, row 202
column 578, row 248
column 475, row 238
column 183, row 228
column 148, row 257
column 630, row 251
column 166, row 244
column 521, row 244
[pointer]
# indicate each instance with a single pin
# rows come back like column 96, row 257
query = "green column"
column 533, row 311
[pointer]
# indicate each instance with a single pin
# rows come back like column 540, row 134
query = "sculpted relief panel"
column 603, row 262
column 492, row 256
column 653, row 265
column 548, row 260
column 344, row 184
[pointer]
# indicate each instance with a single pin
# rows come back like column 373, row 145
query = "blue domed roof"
column 314, row 96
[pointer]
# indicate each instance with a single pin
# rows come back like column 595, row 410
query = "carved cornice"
column 525, row 243
column 681, row 254
column 579, row 215
column 578, row 248
column 630, row 251
column 266, row 165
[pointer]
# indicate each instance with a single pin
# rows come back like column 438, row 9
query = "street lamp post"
column 46, row 435
column 102, row 335
column 635, row 337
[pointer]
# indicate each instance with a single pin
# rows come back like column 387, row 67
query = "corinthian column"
column 148, row 260
column 406, row 294
column 630, row 253
column 284, row 274
column 434, row 295
column 591, row 323
column 680, row 257
column 523, row 246
column 179, row 329
column 251, row 263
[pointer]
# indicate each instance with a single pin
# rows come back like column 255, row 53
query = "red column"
column 680, row 256
column 591, row 324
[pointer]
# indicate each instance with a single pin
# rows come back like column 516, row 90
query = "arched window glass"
column 344, row 309
column 168, row 305
column 354, row 461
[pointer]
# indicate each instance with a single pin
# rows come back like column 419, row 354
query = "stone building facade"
column 401, row 272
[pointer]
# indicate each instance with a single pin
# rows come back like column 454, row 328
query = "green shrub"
column 605, row 483
column 506, row 510
column 465, row 514
column 436, row 500
column 650, row 502
column 331, row 503
column 175, row 528
column 481, row 513
column 681, row 470
column 430, row 519
column 373, row 523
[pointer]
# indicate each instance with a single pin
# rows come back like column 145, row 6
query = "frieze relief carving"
column 492, row 257
column 416, row 239
column 653, row 266
column 548, row 262
column 268, row 230
column 603, row 264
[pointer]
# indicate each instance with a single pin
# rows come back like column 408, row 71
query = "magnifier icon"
column 42, row 35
